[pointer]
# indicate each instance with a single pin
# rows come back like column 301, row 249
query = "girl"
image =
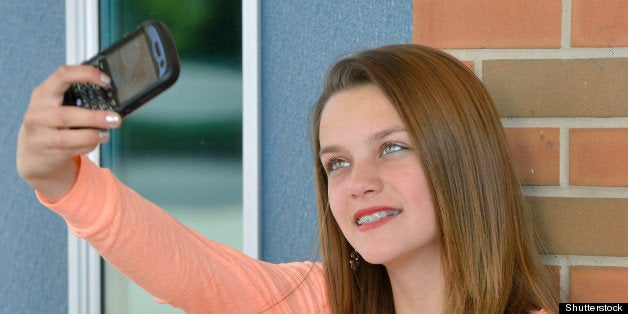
column 419, row 206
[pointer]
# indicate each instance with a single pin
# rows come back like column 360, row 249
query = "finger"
column 75, row 117
column 66, row 75
column 41, row 162
column 40, row 153
column 69, row 117
column 75, row 142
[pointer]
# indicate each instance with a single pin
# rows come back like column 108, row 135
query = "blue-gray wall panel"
column 33, row 241
column 300, row 39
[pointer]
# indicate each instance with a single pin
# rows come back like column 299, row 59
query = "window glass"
column 183, row 149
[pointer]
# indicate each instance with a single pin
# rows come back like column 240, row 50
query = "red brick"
column 487, row 23
column 598, row 157
column 582, row 226
column 469, row 64
column 598, row 284
column 599, row 23
column 558, row 87
column 536, row 154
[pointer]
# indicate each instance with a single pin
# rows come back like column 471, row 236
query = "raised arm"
column 175, row 264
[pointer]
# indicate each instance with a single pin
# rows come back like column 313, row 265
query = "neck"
column 417, row 282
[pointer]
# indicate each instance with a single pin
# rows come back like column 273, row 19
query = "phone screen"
column 132, row 68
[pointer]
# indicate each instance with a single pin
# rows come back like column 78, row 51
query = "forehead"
column 359, row 109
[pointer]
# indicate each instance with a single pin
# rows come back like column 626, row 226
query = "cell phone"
column 141, row 65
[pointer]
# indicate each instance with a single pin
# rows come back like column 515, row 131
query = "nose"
column 365, row 180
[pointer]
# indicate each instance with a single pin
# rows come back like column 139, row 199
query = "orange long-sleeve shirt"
column 176, row 264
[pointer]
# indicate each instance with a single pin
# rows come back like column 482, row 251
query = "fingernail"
column 105, row 79
column 112, row 119
column 103, row 134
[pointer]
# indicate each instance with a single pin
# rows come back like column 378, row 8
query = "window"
column 193, row 150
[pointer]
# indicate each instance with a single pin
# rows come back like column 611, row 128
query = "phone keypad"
column 91, row 96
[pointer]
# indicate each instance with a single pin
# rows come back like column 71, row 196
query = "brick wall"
column 558, row 72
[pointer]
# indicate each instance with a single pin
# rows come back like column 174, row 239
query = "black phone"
column 141, row 65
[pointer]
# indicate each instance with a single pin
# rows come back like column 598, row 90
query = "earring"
column 354, row 261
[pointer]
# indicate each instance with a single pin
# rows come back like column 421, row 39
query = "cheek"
column 337, row 201
column 413, row 186
column 421, row 201
column 332, row 196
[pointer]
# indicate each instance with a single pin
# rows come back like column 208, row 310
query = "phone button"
column 158, row 49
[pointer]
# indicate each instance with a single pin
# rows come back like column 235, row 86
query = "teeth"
column 376, row 216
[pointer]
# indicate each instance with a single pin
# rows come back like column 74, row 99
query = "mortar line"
column 563, row 157
column 539, row 53
column 584, row 260
column 477, row 68
column 576, row 191
column 565, row 34
column 569, row 122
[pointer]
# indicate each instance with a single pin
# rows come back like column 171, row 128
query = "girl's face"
column 377, row 189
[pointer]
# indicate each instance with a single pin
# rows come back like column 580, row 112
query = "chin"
column 378, row 257
column 389, row 255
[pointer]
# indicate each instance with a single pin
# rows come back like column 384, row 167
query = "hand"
column 51, row 135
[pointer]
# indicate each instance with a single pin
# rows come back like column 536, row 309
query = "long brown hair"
column 489, row 250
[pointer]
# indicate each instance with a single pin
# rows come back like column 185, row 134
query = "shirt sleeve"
column 176, row 264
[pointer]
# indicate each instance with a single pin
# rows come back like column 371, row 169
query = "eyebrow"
column 377, row 136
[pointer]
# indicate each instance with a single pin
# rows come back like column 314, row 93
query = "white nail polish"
column 112, row 119
column 105, row 79
column 103, row 134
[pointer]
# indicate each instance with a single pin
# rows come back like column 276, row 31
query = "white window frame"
column 82, row 40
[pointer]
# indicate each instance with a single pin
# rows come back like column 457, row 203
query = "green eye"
column 391, row 148
column 336, row 164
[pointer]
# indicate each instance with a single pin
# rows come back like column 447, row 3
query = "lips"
column 374, row 214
